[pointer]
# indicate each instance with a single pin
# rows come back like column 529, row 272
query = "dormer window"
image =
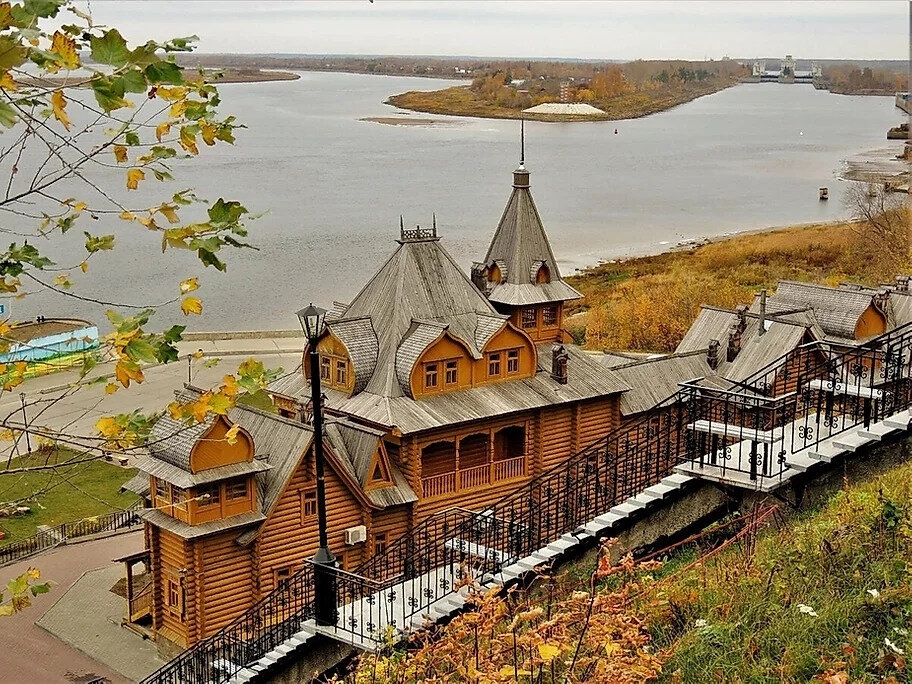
column 430, row 375
column 236, row 489
column 341, row 373
column 512, row 361
column 543, row 275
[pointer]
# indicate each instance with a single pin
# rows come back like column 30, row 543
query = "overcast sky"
column 525, row 28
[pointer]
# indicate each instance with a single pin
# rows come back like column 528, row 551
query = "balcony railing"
column 474, row 477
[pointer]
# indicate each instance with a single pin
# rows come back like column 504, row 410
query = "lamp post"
column 325, row 609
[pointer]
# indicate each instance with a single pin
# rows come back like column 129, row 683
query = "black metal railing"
column 69, row 531
column 749, row 426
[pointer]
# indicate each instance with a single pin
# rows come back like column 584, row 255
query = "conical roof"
column 520, row 248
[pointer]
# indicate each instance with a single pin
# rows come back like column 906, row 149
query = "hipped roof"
column 520, row 242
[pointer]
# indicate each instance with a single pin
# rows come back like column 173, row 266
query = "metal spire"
column 522, row 143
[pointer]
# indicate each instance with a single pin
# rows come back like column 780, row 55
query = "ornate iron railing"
column 749, row 426
column 69, row 531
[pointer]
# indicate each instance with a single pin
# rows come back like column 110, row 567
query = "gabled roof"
column 419, row 283
column 521, row 244
column 172, row 440
column 837, row 310
column 783, row 334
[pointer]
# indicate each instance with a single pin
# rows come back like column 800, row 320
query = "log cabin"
column 441, row 390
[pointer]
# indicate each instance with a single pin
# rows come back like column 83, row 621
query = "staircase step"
column 625, row 509
column 825, row 452
column 659, row 491
column 801, row 463
column 851, row 441
column 877, row 431
column 544, row 555
column 676, row 480
column 561, row 545
column 900, row 421
column 642, row 499
column 608, row 519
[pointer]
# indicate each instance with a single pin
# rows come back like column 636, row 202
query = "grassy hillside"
column 648, row 303
column 824, row 597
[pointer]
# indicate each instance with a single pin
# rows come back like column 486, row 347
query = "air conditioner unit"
column 356, row 535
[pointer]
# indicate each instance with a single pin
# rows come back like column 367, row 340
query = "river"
column 333, row 187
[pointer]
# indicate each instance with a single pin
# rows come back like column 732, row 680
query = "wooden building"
column 440, row 392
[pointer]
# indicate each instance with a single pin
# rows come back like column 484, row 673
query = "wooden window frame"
column 432, row 373
column 513, row 356
column 341, row 371
column 551, row 309
column 215, row 500
column 381, row 543
column 289, row 569
column 523, row 318
column 161, row 490
column 326, row 368
column 174, row 587
column 178, row 498
column 232, row 483
column 451, row 365
column 306, row 501
column 494, row 361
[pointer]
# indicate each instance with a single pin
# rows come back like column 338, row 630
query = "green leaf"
column 133, row 81
column 259, row 399
column 17, row 586
column 97, row 243
column 12, row 53
column 40, row 588
column 223, row 212
column 174, row 333
column 140, row 350
column 164, row 72
column 7, row 115
column 131, row 138
column 210, row 259
column 108, row 93
column 110, row 48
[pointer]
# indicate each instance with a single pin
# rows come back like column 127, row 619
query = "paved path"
column 31, row 655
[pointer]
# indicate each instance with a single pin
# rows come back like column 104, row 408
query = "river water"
column 333, row 187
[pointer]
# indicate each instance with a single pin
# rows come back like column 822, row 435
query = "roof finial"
column 522, row 143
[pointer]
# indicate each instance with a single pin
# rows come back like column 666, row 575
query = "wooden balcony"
column 473, row 478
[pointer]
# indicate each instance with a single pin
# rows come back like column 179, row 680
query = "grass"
column 648, row 303
column 72, row 492
column 825, row 596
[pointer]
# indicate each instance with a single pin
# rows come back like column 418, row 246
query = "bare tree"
column 884, row 226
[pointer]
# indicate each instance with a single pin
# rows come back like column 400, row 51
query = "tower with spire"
column 519, row 274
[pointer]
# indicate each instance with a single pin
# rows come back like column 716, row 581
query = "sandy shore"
column 404, row 121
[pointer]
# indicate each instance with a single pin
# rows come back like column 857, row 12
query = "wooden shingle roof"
column 837, row 310
column 654, row 380
column 521, row 244
column 419, row 289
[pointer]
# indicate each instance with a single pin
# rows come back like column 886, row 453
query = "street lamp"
column 325, row 611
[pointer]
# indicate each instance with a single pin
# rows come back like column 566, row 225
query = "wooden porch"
column 473, row 461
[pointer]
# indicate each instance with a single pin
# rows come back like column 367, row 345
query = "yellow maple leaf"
column 189, row 285
column 169, row 213
column 171, row 94
column 65, row 46
column 7, row 82
column 58, row 104
column 191, row 305
column 133, row 178
column 177, row 109
column 128, row 216
column 208, row 132
column 120, row 153
column 20, row 367
column 125, row 371
column 107, row 426
column 176, row 410
column 79, row 206
column 548, row 652
column 231, row 435
column 188, row 140
column 201, row 407
column 34, row 573
column 162, row 130
column 230, row 386
column 110, row 388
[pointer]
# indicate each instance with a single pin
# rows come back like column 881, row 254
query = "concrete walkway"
column 88, row 617
column 29, row 653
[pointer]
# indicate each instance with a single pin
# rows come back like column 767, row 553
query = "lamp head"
column 312, row 320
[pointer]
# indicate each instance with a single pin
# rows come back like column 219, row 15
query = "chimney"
column 762, row 329
column 902, row 283
column 734, row 334
column 559, row 358
column 712, row 354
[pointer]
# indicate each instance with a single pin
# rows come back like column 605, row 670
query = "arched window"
column 543, row 275
column 494, row 274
